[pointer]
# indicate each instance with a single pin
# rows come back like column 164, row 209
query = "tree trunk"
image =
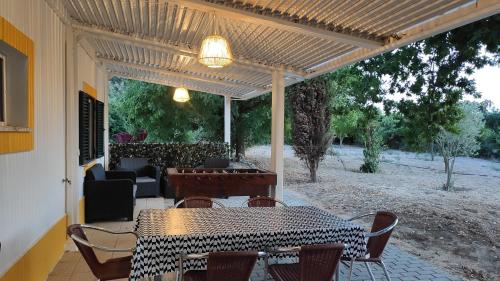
column 449, row 181
column 341, row 139
column 446, row 164
column 432, row 151
column 313, row 168
column 239, row 148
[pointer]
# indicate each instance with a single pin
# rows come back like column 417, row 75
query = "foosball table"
column 221, row 183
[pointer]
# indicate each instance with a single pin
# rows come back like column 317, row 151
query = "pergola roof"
column 158, row 40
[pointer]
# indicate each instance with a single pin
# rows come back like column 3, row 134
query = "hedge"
column 166, row 155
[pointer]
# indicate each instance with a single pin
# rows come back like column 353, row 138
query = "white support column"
column 227, row 120
column 278, row 129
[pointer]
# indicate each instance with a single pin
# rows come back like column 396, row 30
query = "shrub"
column 166, row 155
column 372, row 138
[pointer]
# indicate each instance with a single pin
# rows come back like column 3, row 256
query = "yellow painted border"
column 89, row 90
column 41, row 259
column 20, row 141
column 81, row 211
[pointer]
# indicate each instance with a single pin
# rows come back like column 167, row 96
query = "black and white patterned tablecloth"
column 166, row 233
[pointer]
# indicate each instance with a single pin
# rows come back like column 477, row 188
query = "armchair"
column 148, row 176
column 109, row 195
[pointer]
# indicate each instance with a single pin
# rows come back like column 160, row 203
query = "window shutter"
column 99, row 127
column 84, row 127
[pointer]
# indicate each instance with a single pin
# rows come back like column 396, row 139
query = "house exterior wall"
column 32, row 194
column 34, row 205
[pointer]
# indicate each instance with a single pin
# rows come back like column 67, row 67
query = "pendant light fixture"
column 181, row 95
column 215, row 51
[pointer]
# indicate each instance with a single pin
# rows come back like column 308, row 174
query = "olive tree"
column 462, row 142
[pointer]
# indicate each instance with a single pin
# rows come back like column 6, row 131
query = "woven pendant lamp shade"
column 181, row 95
column 215, row 52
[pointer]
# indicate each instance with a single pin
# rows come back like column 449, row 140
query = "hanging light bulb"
column 181, row 95
column 215, row 51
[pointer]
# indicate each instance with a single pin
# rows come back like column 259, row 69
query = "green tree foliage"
column 433, row 74
column 135, row 105
column 345, row 125
column 372, row 139
column 461, row 142
column 311, row 122
column 251, row 123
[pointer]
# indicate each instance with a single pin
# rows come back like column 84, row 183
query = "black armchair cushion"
column 96, row 173
column 139, row 165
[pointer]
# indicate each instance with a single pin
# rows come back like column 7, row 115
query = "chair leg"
column 369, row 271
column 382, row 264
column 350, row 269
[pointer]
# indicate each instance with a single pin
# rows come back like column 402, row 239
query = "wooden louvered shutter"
column 99, row 128
column 85, row 108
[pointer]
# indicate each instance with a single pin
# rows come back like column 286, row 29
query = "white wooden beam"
column 170, row 83
column 461, row 16
column 152, row 44
column 278, row 130
column 187, row 76
column 279, row 23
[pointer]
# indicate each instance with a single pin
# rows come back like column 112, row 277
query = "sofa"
column 147, row 176
column 109, row 195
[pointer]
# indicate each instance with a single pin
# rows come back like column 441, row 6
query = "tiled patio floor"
column 401, row 265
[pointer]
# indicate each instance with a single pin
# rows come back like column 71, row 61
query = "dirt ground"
column 459, row 230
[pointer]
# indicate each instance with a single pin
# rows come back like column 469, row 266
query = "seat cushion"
column 144, row 180
column 116, row 268
column 97, row 173
column 133, row 163
column 285, row 272
column 195, row 275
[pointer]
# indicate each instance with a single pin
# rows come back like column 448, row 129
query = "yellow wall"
column 39, row 261
column 19, row 141
column 81, row 211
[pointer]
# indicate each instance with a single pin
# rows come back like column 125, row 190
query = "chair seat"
column 195, row 275
column 284, row 272
column 145, row 179
column 117, row 268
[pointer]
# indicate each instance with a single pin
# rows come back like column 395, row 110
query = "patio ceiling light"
column 181, row 95
column 215, row 51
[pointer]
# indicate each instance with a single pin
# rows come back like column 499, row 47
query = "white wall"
column 32, row 195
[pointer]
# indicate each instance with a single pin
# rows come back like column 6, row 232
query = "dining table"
column 165, row 234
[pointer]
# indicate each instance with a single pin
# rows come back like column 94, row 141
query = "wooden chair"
column 234, row 266
column 316, row 263
column 263, row 201
column 111, row 269
column 382, row 227
column 197, row 202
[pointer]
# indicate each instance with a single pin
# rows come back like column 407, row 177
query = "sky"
column 488, row 84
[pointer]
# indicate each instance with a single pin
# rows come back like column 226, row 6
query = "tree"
column 433, row 75
column 311, row 136
column 463, row 142
column 251, row 123
column 372, row 139
column 345, row 125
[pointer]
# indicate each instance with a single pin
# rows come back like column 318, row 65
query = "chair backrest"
column 216, row 163
column 96, row 173
column 133, row 163
column 263, row 201
column 234, row 266
column 196, row 202
column 319, row 262
column 376, row 245
column 86, row 251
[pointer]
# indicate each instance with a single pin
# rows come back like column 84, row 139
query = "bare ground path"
column 458, row 230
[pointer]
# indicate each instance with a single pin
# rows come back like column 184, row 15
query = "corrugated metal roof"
column 158, row 40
